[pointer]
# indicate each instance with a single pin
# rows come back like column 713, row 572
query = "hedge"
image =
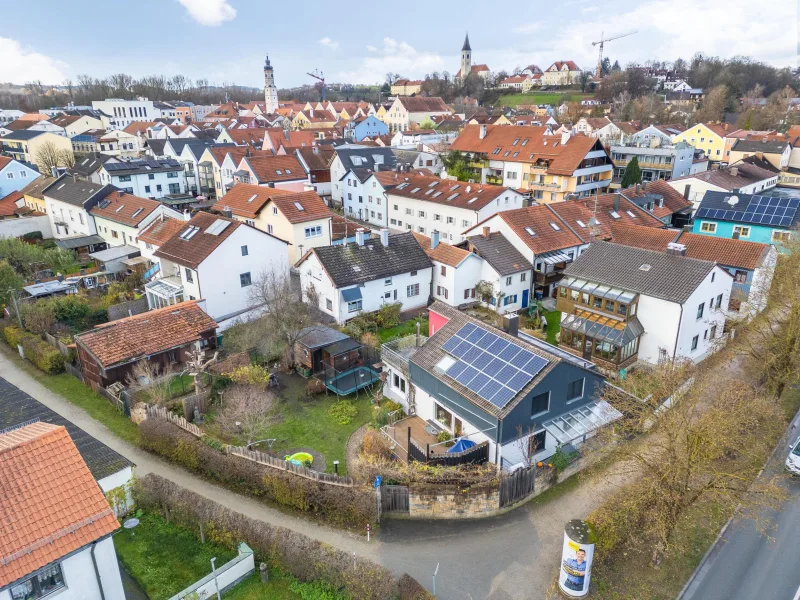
column 304, row 558
column 347, row 506
column 37, row 351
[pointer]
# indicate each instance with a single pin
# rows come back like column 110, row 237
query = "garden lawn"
column 403, row 329
column 540, row 98
column 307, row 423
column 553, row 319
column 165, row 558
column 280, row 587
column 82, row 396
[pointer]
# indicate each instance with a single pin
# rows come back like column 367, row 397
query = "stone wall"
column 453, row 502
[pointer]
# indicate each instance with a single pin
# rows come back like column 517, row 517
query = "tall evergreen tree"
column 632, row 175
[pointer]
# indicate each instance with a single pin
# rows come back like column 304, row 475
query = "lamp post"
column 214, row 573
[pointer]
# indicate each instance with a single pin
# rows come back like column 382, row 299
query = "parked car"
column 793, row 460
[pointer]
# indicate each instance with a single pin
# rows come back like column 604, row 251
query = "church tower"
column 466, row 59
column 270, row 91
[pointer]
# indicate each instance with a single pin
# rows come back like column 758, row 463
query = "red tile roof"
column 560, row 63
column 146, row 334
column 527, row 144
column 343, row 228
column 125, row 208
column 540, row 220
column 300, row 207
column 4, row 160
column 160, row 230
column 51, row 504
column 443, row 253
column 725, row 251
column 8, row 204
column 269, row 169
column 246, row 200
column 191, row 252
column 458, row 194
column 139, row 127
column 415, row 104
column 296, row 139
column 253, row 136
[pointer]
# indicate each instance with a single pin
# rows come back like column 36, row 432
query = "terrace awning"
column 581, row 421
column 599, row 290
column 603, row 327
column 351, row 294
column 553, row 258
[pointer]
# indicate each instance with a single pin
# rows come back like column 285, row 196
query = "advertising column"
column 576, row 559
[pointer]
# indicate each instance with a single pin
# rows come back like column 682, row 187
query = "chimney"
column 644, row 186
column 187, row 216
column 360, row 236
column 486, row 232
column 227, row 212
column 482, row 132
column 384, row 237
column 638, row 188
column 686, row 191
column 54, row 171
column 616, row 200
column 735, row 171
column 565, row 137
column 676, row 249
column 434, row 240
column 511, row 323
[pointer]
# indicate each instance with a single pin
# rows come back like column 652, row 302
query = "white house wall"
column 77, row 219
column 660, row 320
column 691, row 326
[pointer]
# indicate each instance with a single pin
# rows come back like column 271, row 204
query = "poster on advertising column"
column 577, row 554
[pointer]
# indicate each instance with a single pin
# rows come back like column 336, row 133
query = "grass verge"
column 165, row 558
column 81, row 396
column 541, row 98
column 553, row 319
column 403, row 329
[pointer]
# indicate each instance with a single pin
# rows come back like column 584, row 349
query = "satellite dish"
column 733, row 200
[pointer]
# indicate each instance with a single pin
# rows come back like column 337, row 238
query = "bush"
column 391, row 405
column 32, row 236
column 376, row 445
column 42, row 354
column 12, row 335
column 343, row 412
column 38, row 317
column 254, row 375
column 314, row 387
column 444, row 436
column 387, row 315
column 306, row 559
column 350, row 506
column 411, row 589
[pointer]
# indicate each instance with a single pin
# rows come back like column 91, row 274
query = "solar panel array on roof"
column 490, row 366
column 761, row 210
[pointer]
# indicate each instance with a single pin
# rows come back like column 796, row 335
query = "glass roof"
column 582, row 420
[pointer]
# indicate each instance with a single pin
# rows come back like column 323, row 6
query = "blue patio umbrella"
column 461, row 445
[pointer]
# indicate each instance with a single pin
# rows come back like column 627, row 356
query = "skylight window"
column 514, row 155
column 298, row 206
column 645, row 267
column 581, row 223
column 507, row 153
column 555, row 226
column 402, row 185
column 630, row 214
column 356, row 268
column 288, row 172
column 530, row 231
column 415, row 190
column 515, row 142
column 614, row 214
column 454, row 188
column 472, row 200
column 136, row 212
column 121, row 206
column 451, row 196
column 436, row 195
column 433, row 184
column 525, row 142
column 253, row 197
column 496, row 151
column 278, row 172
column 429, row 192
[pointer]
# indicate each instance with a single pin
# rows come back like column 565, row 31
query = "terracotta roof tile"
column 343, row 228
column 191, row 252
column 146, row 334
column 8, row 204
column 247, row 200
column 50, row 505
column 160, row 230
column 422, row 104
column 299, row 207
column 125, row 209
column 268, row 169
column 139, row 127
column 539, row 219
column 253, row 136
column 440, row 191
column 443, row 253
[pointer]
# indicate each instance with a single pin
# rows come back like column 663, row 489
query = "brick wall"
column 452, row 502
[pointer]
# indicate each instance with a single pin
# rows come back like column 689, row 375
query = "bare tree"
column 702, row 451
column 285, row 314
column 197, row 365
column 526, row 445
column 246, row 411
column 47, row 157
column 66, row 158
column 151, row 376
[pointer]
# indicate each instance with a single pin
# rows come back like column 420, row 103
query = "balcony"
column 478, row 164
column 494, row 180
column 398, row 352
column 413, row 438
column 643, row 164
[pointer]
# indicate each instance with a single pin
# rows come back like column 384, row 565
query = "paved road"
column 511, row 557
column 745, row 564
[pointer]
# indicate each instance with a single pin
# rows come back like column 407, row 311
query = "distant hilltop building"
column 466, row 64
column 270, row 91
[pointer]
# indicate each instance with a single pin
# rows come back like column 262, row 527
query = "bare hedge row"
column 348, row 506
column 306, row 559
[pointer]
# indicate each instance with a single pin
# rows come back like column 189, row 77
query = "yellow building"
column 33, row 193
column 406, row 87
column 711, row 138
column 313, row 119
column 382, row 113
column 26, row 145
column 561, row 72
column 300, row 218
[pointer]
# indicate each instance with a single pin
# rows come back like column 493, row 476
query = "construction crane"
column 602, row 41
column 320, row 85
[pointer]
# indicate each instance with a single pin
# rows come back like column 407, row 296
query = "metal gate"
column 394, row 499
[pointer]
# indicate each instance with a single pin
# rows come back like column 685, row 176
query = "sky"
column 226, row 40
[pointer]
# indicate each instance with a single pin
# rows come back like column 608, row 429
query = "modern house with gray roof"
column 151, row 178
column 361, row 277
column 69, row 200
column 352, row 157
column 622, row 304
column 517, row 395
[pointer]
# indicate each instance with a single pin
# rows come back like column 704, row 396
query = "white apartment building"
column 68, row 201
column 124, row 112
column 456, row 271
column 147, row 178
column 357, row 157
column 119, row 217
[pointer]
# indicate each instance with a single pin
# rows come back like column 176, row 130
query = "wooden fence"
column 58, row 344
column 74, row 371
column 121, row 403
column 517, row 486
column 394, row 499
column 196, row 401
column 162, row 413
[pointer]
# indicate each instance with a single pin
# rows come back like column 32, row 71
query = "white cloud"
column 328, row 43
column 210, row 13
column 528, row 27
column 20, row 65
column 668, row 29
column 397, row 57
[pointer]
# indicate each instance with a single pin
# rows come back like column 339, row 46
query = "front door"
column 524, row 298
